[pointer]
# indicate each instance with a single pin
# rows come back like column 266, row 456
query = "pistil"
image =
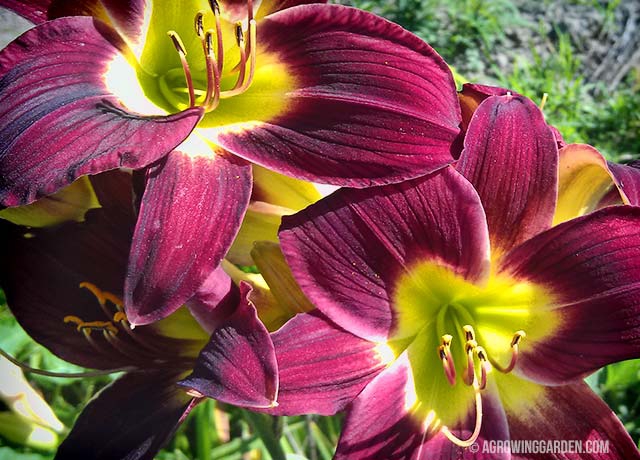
column 478, row 422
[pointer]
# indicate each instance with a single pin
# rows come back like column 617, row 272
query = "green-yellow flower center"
column 209, row 93
column 457, row 333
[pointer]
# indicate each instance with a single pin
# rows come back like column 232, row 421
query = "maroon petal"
column 191, row 210
column 370, row 103
column 51, row 80
column 590, row 267
column 628, row 180
column 348, row 250
column 570, row 413
column 511, row 158
column 472, row 95
column 378, row 423
column 33, row 10
column 238, row 365
column 214, row 301
column 322, row 367
column 130, row 419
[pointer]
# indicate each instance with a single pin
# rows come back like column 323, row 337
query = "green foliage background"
column 463, row 31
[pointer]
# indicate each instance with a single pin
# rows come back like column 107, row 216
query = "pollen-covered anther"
column 470, row 371
column 449, row 366
column 198, row 24
column 485, row 366
column 91, row 325
column 469, row 333
column 120, row 317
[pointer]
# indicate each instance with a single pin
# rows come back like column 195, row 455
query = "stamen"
column 478, row 425
column 250, row 50
column 517, row 337
column 470, row 374
column 249, row 10
column 199, row 24
column 545, row 96
column 446, row 357
column 102, row 297
column 212, row 98
column 88, row 326
column 469, row 332
column 216, row 14
column 485, row 366
column 182, row 53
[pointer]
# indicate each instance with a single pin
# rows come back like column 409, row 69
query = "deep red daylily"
column 320, row 92
column 450, row 310
column 64, row 285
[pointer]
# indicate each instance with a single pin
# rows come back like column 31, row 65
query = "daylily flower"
column 64, row 286
column 450, row 310
column 194, row 90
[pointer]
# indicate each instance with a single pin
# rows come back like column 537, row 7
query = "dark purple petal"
column 371, row 103
column 348, row 250
column 58, row 120
column 570, row 413
column 131, row 419
column 322, row 367
column 472, row 95
column 628, row 179
column 42, row 271
column 511, row 158
column 238, row 365
column 191, row 210
column 215, row 300
column 590, row 266
column 33, row 10
column 379, row 424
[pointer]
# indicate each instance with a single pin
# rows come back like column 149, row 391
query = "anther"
column 182, row 53
column 545, row 96
column 248, row 53
column 449, row 366
column 485, row 366
column 103, row 297
column 199, row 24
column 119, row 317
column 470, row 373
column 215, row 7
column 88, row 326
column 468, row 332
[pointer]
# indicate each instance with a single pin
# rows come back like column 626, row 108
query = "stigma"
column 246, row 42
